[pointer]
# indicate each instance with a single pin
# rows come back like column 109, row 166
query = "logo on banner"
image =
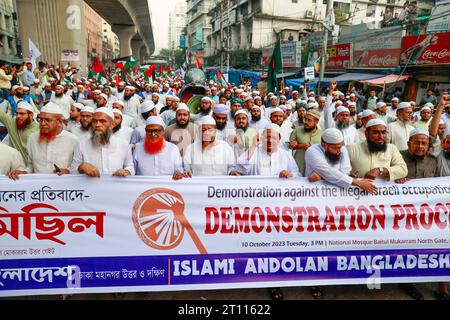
column 159, row 220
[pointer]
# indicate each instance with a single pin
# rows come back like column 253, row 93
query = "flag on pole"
column 161, row 69
column 149, row 72
column 275, row 67
column 220, row 79
column 197, row 61
column 168, row 70
column 34, row 53
column 120, row 65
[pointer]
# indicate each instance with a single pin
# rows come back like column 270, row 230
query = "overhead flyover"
column 131, row 22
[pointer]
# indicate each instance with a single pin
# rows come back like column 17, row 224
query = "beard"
column 256, row 118
column 182, row 126
column 375, row 147
column 332, row 158
column 418, row 158
column 85, row 128
column 20, row 125
column 308, row 129
column 352, row 113
column 221, row 126
column 48, row 137
column 205, row 112
column 342, row 125
column 101, row 138
column 59, row 95
column 126, row 98
column 117, row 128
column 153, row 147
column 19, row 95
column 242, row 128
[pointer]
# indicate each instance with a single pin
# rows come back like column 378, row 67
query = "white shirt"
column 167, row 116
column 43, row 156
column 334, row 173
column 224, row 134
column 106, row 158
column 399, row 134
column 72, row 125
column 164, row 163
column 10, row 160
column 262, row 163
column 65, row 102
column 80, row 133
column 124, row 133
column 260, row 125
column 217, row 160
column 350, row 133
column 131, row 107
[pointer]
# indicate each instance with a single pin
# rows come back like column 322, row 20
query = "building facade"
column 198, row 26
column 93, row 31
column 111, row 45
column 177, row 23
column 8, row 31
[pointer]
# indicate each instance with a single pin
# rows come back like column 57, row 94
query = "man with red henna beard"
column 155, row 156
column 51, row 149
column 21, row 128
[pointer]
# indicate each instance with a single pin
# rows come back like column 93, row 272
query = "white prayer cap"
column 339, row 102
column 97, row 91
column 395, row 99
column 36, row 81
column 87, row 109
column 166, row 85
column 118, row 112
column 289, row 106
column 248, row 98
column 366, row 113
column 60, row 86
column 255, row 106
column 360, row 115
column 352, row 95
column 418, row 131
column 342, row 109
column 295, row 91
column 332, row 136
column 311, row 99
column 207, row 120
column 403, row 105
column 322, row 98
column 312, row 105
column 52, row 108
column 183, row 106
column 351, row 103
column 425, row 108
column 273, row 97
column 241, row 111
column 277, row 109
column 15, row 87
column 120, row 102
column 155, row 94
column 26, row 88
column 155, row 120
column 380, row 105
column 220, row 109
column 122, row 83
column 283, row 107
column 256, row 98
column 106, row 111
column 429, row 105
column 273, row 127
column 25, row 105
column 104, row 96
column 283, row 96
column 375, row 122
column 176, row 98
column 130, row 87
column 147, row 106
column 207, row 99
column 78, row 105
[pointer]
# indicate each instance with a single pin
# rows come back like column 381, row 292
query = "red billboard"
column 339, row 56
column 426, row 49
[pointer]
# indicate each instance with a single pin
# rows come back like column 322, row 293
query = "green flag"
column 130, row 64
column 275, row 67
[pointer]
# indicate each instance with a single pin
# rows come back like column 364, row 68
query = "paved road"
column 351, row 292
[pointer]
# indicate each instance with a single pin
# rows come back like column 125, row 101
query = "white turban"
column 207, row 120
column 147, row 106
column 375, row 122
column 26, row 106
column 403, row 105
column 155, row 120
column 332, row 136
column 418, row 131
column 87, row 109
column 241, row 111
column 52, row 108
column 342, row 109
column 106, row 111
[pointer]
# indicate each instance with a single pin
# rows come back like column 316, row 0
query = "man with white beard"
column 62, row 100
column 103, row 153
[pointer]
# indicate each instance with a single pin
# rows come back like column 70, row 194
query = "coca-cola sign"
column 339, row 56
column 426, row 49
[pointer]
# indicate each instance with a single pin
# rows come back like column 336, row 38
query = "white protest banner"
column 72, row 234
column 309, row 73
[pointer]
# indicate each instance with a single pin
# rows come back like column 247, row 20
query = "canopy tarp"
column 388, row 79
column 354, row 76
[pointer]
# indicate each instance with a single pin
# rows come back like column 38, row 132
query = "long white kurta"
column 164, row 163
column 124, row 133
column 337, row 173
column 262, row 163
column 10, row 160
column 399, row 134
column 260, row 125
column 107, row 159
column 350, row 134
column 43, row 156
column 131, row 107
column 80, row 133
column 65, row 102
column 216, row 160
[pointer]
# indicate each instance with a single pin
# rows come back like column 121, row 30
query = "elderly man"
column 155, row 156
column 375, row 157
column 64, row 101
column 103, row 153
column 304, row 137
column 84, row 130
column 382, row 114
column 182, row 132
column 268, row 159
column 11, row 160
column 20, row 128
column 400, row 129
column 206, row 105
column 119, row 131
column 243, row 138
column 51, row 149
column 209, row 156
column 365, row 117
column 330, row 161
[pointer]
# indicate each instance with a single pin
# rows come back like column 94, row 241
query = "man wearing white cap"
column 64, row 101
column 17, row 95
column 257, row 120
column 127, row 121
column 268, row 159
column 148, row 109
column 11, row 160
column 103, row 153
column 84, row 130
column 51, row 149
column 365, row 117
column 155, row 99
column 131, row 105
column 425, row 118
column 101, row 100
column 182, row 132
column 75, row 115
column 224, row 129
column 206, row 106
column 168, row 116
column 277, row 117
column 155, row 156
column 119, row 131
column 209, row 156
column 443, row 158
column 330, row 161
column 120, row 90
column 20, row 128
column 382, row 114
column 242, row 138
column 392, row 110
column 375, row 157
column 400, row 129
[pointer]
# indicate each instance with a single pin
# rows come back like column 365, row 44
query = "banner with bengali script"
column 73, row 234
column 339, row 56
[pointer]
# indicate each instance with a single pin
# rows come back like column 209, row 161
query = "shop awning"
column 388, row 79
column 355, row 76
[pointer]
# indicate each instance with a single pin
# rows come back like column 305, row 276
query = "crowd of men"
column 56, row 126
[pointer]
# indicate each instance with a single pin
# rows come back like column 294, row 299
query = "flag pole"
column 282, row 68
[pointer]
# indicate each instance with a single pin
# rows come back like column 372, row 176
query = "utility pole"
column 325, row 40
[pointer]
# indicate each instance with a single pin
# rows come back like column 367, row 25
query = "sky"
column 160, row 10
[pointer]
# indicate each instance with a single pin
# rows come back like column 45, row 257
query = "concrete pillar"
column 125, row 34
column 136, row 48
column 142, row 53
